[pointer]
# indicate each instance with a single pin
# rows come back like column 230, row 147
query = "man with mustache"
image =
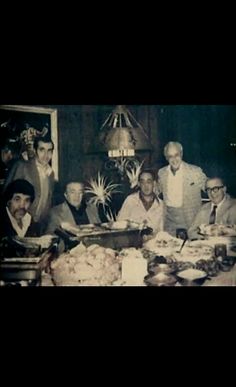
column 15, row 219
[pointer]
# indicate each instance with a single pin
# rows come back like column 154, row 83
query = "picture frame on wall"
column 20, row 124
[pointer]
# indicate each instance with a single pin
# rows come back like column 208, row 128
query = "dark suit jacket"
column 27, row 170
column 62, row 213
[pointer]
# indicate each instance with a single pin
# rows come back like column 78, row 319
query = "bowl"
column 160, row 279
column 191, row 277
column 161, row 268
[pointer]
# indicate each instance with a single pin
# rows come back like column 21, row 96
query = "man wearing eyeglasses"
column 181, row 185
column 220, row 210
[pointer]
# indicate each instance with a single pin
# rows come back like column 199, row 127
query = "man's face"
column 19, row 205
column 74, row 194
column 217, row 194
column 174, row 157
column 44, row 152
column 146, row 184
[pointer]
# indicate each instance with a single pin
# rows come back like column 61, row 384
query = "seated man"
column 73, row 210
column 14, row 216
column 144, row 206
column 220, row 210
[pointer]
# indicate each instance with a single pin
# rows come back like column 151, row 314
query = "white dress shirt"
column 175, row 188
column 26, row 220
column 133, row 209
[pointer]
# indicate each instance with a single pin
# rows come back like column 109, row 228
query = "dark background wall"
column 205, row 131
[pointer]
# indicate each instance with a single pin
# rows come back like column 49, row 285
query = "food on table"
column 157, row 259
column 194, row 252
column 183, row 265
column 82, row 229
column 119, row 225
column 148, row 254
column 210, row 266
column 192, row 274
column 217, row 230
column 163, row 243
column 167, row 246
column 92, row 266
column 44, row 241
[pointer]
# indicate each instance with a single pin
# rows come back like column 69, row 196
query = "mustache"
column 20, row 212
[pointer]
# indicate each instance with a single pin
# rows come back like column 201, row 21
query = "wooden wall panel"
column 204, row 130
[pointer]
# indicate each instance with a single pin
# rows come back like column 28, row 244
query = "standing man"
column 39, row 173
column 144, row 206
column 220, row 210
column 181, row 185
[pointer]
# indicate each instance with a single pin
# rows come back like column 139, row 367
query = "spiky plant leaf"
column 133, row 173
column 100, row 190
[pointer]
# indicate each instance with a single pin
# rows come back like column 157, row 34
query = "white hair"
column 175, row 144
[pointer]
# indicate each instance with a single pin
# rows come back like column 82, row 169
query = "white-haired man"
column 73, row 210
column 181, row 184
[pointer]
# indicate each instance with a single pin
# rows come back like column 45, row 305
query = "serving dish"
column 191, row 277
column 160, row 279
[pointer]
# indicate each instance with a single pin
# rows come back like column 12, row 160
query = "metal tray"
column 25, row 268
column 115, row 239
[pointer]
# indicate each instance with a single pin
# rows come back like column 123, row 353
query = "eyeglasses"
column 214, row 189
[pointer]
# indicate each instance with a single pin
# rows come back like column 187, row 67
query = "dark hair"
column 216, row 177
column 43, row 139
column 147, row 170
column 19, row 186
column 11, row 145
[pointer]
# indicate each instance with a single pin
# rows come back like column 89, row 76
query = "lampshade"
column 122, row 132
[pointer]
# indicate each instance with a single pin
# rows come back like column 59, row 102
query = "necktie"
column 212, row 218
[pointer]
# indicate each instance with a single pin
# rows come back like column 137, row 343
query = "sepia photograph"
column 19, row 126
column 118, row 195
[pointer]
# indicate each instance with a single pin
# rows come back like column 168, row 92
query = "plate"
column 192, row 274
column 194, row 252
column 220, row 230
column 44, row 241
